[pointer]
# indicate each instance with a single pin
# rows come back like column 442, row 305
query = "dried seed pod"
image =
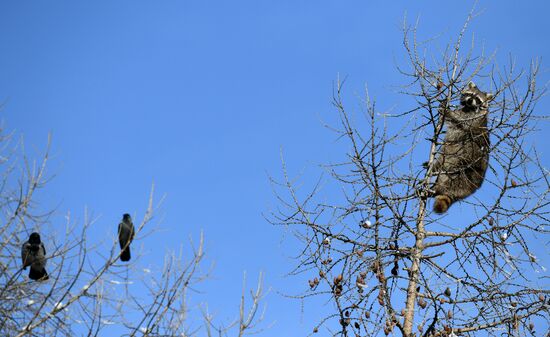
column 422, row 303
column 360, row 283
column 338, row 279
column 513, row 183
column 311, row 284
column 337, row 289
column 321, row 274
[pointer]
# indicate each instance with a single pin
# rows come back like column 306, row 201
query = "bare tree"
column 387, row 262
column 89, row 291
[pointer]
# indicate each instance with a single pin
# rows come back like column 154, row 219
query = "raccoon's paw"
column 442, row 203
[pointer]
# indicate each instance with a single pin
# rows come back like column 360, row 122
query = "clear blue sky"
column 200, row 97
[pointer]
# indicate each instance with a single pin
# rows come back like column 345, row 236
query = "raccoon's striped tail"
column 442, row 203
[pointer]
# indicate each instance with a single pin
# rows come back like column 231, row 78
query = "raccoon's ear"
column 489, row 96
column 471, row 85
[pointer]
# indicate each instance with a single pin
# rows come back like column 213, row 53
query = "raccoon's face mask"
column 471, row 101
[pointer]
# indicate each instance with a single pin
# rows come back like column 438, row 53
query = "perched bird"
column 33, row 254
column 125, row 236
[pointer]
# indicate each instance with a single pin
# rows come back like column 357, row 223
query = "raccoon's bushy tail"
column 442, row 203
column 38, row 274
column 125, row 255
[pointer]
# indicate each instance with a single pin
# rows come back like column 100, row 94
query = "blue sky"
column 200, row 97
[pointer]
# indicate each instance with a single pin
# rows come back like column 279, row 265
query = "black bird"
column 125, row 236
column 33, row 254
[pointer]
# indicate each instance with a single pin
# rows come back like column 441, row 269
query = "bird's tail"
column 125, row 255
column 38, row 274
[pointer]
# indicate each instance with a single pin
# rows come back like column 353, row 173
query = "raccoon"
column 462, row 162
